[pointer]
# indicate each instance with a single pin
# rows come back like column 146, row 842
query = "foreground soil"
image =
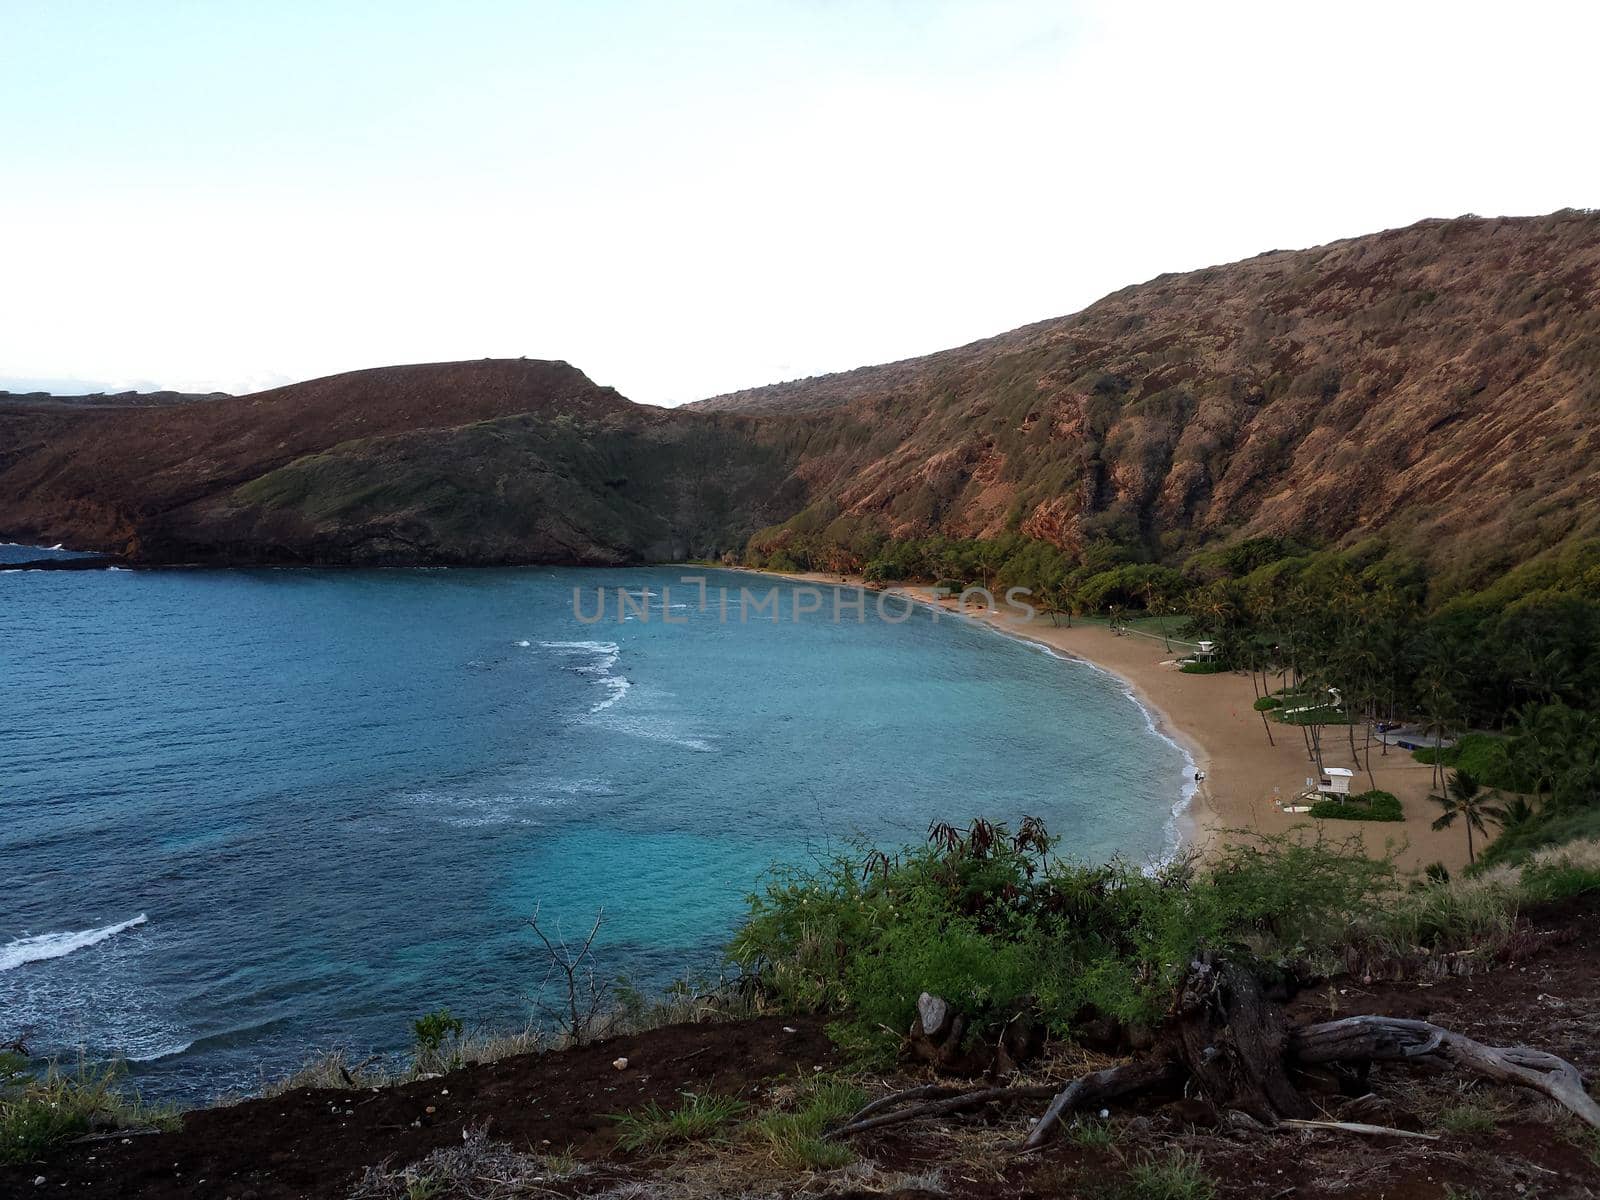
column 1492, row 1140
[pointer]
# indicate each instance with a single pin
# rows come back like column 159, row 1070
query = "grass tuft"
column 1174, row 1176
column 1468, row 1118
column 39, row 1112
column 654, row 1128
column 1092, row 1135
column 795, row 1137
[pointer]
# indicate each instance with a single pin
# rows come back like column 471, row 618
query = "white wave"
column 524, row 644
column 618, row 687
column 602, row 656
column 43, row 946
column 165, row 1051
column 664, row 731
column 57, row 546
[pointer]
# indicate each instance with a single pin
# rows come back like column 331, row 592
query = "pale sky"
column 687, row 198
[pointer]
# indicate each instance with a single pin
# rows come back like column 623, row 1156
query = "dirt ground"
column 1493, row 1140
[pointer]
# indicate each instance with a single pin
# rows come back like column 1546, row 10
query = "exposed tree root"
column 1100, row 1085
column 1233, row 1045
column 1400, row 1039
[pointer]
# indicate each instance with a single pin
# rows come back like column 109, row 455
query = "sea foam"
column 602, row 657
column 43, row 946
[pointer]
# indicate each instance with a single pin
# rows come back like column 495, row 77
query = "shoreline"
column 1181, row 830
column 1213, row 722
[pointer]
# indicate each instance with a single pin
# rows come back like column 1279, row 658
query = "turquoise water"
column 249, row 814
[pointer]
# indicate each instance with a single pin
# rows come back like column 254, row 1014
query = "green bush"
column 1549, row 828
column 995, row 924
column 1202, row 668
column 1268, row 703
column 1375, row 805
column 432, row 1031
column 1480, row 755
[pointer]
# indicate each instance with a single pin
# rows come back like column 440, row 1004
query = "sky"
column 688, row 198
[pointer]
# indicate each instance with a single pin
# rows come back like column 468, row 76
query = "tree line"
column 1337, row 641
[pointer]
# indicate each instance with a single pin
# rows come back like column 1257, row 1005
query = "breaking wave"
column 43, row 946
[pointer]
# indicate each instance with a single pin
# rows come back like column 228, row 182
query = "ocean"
column 250, row 815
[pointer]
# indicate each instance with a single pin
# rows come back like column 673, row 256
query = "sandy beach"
column 1212, row 716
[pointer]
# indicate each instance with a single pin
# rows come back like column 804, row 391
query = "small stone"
column 39, row 1182
column 790, row 1029
column 430, row 1110
column 934, row 1014
column 620, row 1064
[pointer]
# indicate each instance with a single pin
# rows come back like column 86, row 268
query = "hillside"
column 474, row 462
column 1439, row 383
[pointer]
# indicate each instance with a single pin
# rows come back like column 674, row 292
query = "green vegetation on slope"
column 996, row 924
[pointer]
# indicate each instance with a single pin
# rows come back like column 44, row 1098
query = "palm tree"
column 1464, row 797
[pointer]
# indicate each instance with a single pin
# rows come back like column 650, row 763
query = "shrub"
column 435, row 1029
column 996, row 925
column 1375, row 805
column 1480, row 755
column 1268, row 703
column 1520, row 843
column 1202, row 668
column 436, row 1044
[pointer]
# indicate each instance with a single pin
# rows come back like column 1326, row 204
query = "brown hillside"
column 483, row 461
column 1439, row 383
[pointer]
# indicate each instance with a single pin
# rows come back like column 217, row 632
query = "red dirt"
column 317, row 1143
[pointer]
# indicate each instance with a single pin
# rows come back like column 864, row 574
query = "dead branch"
column 1096, row 1086
column 1406, row 1040
column 970, row 1098
column 585, row 996
column 1357, row 1127
column 926, row 1091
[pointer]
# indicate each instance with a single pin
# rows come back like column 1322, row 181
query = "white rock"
column 620, row 1064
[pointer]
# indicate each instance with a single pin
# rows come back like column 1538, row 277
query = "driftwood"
column 1230, row 1041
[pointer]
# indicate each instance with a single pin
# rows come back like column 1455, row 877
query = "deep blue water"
column 333, row 796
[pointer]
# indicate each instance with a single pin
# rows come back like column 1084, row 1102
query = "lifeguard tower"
column 1334, row 783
